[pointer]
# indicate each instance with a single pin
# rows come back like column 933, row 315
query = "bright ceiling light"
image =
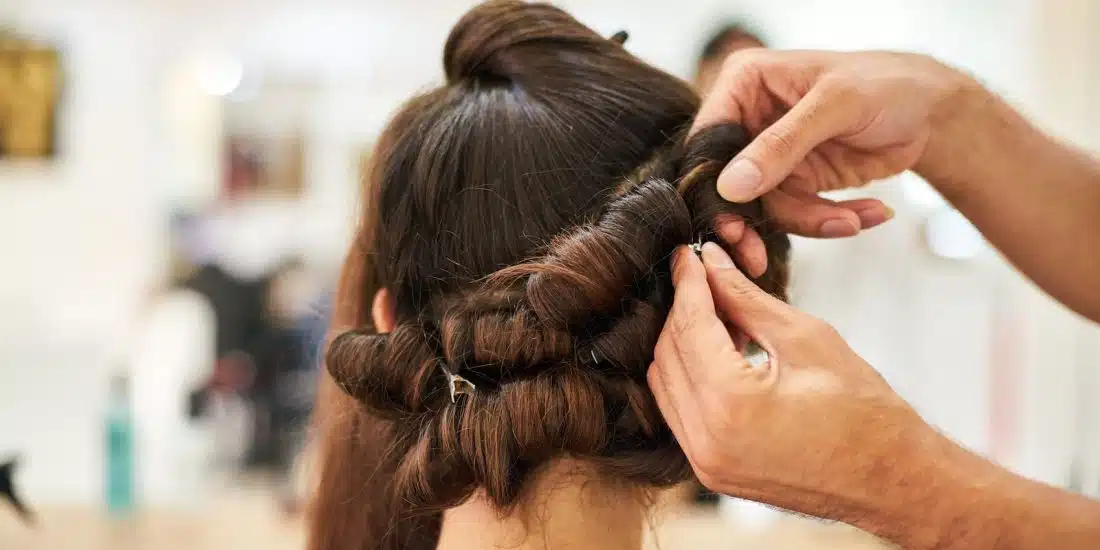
column 220, row 76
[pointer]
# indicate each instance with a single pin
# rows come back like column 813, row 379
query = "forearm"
column 1034, row 198
column 953, row 499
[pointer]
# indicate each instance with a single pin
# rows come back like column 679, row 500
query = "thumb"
column 759, row 314
column 774, row 154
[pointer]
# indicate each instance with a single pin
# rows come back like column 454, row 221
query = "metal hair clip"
column 697, row 246
column 458, row 385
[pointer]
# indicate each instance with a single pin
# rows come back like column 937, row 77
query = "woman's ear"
column 382, row 311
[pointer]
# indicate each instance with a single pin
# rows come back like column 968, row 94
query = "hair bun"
column 491, row 42
column 394, row 375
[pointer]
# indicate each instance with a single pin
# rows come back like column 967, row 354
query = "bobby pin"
column 458, row 385
column 697, row 246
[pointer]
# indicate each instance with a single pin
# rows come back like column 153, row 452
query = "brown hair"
column 522, row 217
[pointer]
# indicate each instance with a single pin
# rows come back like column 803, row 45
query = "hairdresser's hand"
column 813, row 427
column 824, row 121
column 816, row 430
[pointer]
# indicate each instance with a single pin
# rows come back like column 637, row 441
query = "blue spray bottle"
column 120, row 448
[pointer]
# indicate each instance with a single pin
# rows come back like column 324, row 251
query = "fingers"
column 807, row 215
column 770, row 158
column 667, row 375
column 871, row 212
column 689, row 277
column 746, row 77
column 730, row 228
column 724, row 101
column 670, row 388
column 693, row 349
column 749, row 248
column 678, row 401
column 752, row 253
column 693, row 328
column 812, row 216
column 760, row 315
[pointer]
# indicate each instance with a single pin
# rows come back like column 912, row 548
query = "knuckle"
column 734, row 281
column 778, row 142
column 840, row 89
column 682, row 327
column 683, row 321
column 737, row 286
column 740, row 60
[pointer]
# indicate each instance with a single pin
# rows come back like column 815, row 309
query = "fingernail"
column 739, row 181
column 838, row 228
column 889, row 213
column 714, row 255
column 873, row 217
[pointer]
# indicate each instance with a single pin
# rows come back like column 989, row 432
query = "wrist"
column 936, row 489
column 963, row 110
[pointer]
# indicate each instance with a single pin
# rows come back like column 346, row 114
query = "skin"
column 570, row 508
column 816, row 429
column 825, row 121
column 821, row 218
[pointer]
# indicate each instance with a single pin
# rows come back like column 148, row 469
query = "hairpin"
column 620, row 37
column 457, row 384
column 697, row 246
column 594, row 358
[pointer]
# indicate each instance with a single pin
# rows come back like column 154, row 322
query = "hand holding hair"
column 817, row 430
column 827, row 120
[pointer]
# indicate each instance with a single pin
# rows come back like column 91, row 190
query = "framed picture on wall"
column 30, row 91
column 269, row 165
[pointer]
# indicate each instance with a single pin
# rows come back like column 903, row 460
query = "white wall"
column 80, row 246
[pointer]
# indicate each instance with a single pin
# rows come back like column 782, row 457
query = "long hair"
column 521, row 217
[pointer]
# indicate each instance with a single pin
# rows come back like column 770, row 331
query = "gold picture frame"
column 30, row 91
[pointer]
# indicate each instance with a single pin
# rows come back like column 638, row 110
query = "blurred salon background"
column 179, row 181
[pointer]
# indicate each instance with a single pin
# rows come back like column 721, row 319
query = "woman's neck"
column 567, row 507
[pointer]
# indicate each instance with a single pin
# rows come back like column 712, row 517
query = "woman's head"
column 520, row 219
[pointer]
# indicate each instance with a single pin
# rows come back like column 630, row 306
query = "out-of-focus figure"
column 730, row 38
column 284, row 390
column 258, row 394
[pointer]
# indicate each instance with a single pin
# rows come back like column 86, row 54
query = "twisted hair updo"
column 522, row 218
